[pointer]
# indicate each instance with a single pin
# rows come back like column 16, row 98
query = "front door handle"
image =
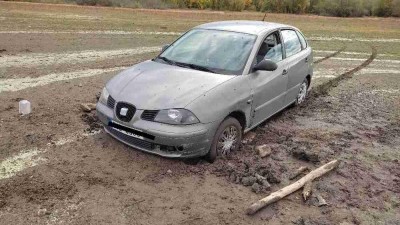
column 284, row 72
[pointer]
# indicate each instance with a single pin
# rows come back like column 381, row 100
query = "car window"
column 302, row 40
column 270, row 49
column 292, row 42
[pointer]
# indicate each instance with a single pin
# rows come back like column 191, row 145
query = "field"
column 57, row 165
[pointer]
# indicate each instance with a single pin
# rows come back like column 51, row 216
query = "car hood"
column 153, row 85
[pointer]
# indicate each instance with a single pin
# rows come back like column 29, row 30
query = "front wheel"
column 226, row 140
column 301, row 96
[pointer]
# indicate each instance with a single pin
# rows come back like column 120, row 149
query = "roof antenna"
column 265, row 15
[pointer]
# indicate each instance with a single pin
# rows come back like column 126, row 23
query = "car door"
column 269, row 87
column 298, row 59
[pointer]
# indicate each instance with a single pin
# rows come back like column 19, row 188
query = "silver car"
column 209, row 87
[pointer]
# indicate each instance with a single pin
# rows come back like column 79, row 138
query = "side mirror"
column 267, row 65
column 164, row 47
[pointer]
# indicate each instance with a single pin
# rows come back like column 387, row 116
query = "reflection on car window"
column 292, row 43
column 270, row 49
column 221, row 51
column 302, row 39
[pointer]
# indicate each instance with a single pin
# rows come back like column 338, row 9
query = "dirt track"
column 58, row 167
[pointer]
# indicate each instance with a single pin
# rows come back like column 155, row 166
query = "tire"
column 227, row 127
column 303, row 92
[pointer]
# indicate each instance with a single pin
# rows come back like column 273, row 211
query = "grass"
column 60, row 17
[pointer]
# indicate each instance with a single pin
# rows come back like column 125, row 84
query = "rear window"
column 302, row 40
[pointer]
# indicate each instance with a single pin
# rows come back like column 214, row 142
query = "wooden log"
column 298, row 172
column 292, row 188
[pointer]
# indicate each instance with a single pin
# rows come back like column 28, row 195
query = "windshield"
column 215, row 51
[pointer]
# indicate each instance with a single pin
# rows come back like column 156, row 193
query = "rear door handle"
column 284, row 72
column 306, row 59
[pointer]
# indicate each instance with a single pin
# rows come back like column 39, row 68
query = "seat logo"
column 123, row 111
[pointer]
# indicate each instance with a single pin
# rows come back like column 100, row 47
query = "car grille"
column 149, row 115
column 129, row 114
column 131, row 140
column 110, row 102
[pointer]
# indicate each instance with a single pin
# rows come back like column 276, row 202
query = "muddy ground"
column 57, row 166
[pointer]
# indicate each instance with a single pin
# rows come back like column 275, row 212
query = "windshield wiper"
column 187, row 65
column 171, row 62
column 196, row 67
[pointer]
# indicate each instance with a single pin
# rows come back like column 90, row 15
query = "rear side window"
column 291, row 41
column 302, row 40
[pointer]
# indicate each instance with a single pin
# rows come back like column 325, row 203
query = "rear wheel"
column 226, row 140
column 301, row 96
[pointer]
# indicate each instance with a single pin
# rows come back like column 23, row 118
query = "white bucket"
column 24, row 107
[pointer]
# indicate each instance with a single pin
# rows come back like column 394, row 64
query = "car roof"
column 242, row 26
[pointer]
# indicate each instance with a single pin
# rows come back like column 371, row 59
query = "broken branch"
column 292, row 188
column 299, row 171
column 88, row 107
column 307, row 189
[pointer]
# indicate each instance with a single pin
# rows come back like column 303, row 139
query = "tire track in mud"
column 331, row 55
column 27, row 82
column 46, row 59
column 324, row 88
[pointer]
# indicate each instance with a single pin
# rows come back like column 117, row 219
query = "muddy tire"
column 303, row 92
column 227, row 139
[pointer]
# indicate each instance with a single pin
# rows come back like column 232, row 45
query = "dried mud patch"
column 92, row 121
column 36, row 188
column 361, row 187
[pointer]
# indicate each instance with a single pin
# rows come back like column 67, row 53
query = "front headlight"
column 104, row 96
column 176, row 117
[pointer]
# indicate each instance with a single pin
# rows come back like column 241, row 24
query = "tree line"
column 340, row 8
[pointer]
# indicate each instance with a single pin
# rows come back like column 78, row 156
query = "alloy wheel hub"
column 227, row 140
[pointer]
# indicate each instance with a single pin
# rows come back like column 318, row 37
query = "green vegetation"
column 339, row 8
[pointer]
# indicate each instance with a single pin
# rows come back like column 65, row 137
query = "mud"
column 330, row 55
column 324, row 88
column 92, row 121
column 23, row 83
column 36, row 59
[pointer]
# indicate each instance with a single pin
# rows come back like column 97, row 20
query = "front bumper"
column 171, row 141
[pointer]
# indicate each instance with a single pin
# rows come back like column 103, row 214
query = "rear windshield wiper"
column 196, row 67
